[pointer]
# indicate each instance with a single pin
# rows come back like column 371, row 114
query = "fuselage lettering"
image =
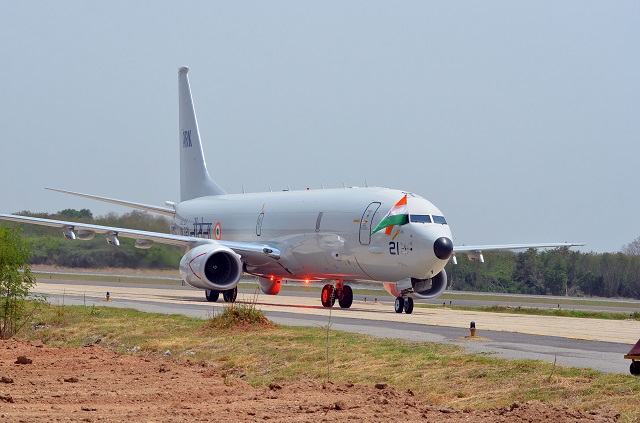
column 186, row 138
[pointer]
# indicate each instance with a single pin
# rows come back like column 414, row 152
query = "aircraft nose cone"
column 443, row 247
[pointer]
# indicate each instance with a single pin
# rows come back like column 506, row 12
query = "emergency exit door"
column 365, row 223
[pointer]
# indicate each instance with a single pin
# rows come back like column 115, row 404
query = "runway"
column 588, row 343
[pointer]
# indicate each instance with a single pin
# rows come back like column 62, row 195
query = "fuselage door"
column 365, row 223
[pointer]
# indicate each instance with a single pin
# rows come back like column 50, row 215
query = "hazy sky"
column 519, row 120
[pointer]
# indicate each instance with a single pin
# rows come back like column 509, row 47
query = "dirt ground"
column 94, row 384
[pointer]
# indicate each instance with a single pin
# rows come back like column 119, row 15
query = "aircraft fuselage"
column 322, row 234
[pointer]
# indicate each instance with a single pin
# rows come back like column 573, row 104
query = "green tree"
column 632, row 248
column 84, row 214
column 527, row 273
column 16, row 280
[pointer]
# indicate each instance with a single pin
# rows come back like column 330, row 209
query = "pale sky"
column 519, row 120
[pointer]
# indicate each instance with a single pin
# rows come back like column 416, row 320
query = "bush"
column 16, row 280
column 239, row 316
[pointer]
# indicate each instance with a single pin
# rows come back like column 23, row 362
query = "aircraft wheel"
column 230, row 295
column 347, row 297
column 634, row 368
column 327, row 297
column 399, row 306
column 212, row 295
column 408, row 305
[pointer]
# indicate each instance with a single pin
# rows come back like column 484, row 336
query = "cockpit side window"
column 420, row 218
column 439, row 219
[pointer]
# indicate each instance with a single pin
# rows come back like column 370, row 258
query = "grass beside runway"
column 440, row 374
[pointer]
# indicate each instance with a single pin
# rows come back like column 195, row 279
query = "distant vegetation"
column 552, row 272
column 49, row 247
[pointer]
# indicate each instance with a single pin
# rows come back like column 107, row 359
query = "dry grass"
column 259, row 354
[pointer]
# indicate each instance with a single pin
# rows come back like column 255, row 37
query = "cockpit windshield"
column 425, row 218
column 420, row 218
column 439, row 219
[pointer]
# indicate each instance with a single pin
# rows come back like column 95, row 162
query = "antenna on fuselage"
column 343, row 185
column 366, row 184
column 322, row 185
column 243, row 188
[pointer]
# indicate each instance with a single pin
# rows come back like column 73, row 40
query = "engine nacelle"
column 422, row 289
column 211, row 266
column 270, row 286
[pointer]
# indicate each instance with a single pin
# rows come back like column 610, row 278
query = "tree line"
column 549, row 272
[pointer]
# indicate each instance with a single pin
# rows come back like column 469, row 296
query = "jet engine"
column 270, row 286
column 211, row 266
column 423, row 289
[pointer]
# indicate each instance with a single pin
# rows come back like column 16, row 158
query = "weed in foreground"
column 239, row 316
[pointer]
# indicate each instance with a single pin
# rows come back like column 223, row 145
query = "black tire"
column 347, row 297
column 212, row 295
column 328, row 297
column 399, row 306
column 634, row 368
column 408, row 305
column 230, row 295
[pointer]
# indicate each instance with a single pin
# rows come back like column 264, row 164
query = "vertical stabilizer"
column 194, row 177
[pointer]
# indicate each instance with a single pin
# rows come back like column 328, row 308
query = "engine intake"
column 211, row 266
column 422, row 289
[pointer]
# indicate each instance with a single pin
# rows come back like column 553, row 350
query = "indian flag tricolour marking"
column 398, row 215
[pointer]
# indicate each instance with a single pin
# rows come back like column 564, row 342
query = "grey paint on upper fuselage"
column 319, row 232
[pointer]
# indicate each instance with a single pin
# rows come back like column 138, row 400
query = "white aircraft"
column 347, row 235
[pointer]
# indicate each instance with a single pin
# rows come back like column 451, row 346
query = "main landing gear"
column 404, row 304
column 229, row 295
column 342, row 292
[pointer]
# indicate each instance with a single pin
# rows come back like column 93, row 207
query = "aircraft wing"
column 474, row 252
column 474, row 248
column 244, row 249
column 154, row 209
